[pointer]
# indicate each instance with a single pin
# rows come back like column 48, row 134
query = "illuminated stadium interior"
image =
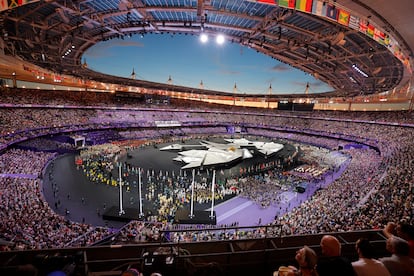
column 100, row 174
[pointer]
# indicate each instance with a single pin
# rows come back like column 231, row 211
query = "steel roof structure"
column 55, row 34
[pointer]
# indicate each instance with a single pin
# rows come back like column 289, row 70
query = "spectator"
column 131, row 272
column 402, row 230
column 399, row 264
column 307, row 259
column 332, row 263
column 5, row 245
column 366, row 264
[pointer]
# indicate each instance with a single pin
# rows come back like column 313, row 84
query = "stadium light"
column 204, row 38
column 220, row 39
column 359, row 70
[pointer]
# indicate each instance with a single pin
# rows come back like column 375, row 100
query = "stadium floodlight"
column 352, row 79
column 204, row 38
column 220, row 39
column 359, row 70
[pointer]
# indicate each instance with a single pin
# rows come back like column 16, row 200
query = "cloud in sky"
column 128, row 43
column 311, row 83
column 314, row 86
column 228, row 72
column 101, row 50
column 299, row 83
column 317, row 84
column 281, row 68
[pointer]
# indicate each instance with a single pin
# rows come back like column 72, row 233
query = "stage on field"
column 113, row 214
column 182, row 216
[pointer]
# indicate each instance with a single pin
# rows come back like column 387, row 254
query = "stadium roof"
column 357, row 47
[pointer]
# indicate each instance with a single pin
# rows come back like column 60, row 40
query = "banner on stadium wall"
column 10, row 4
column 331, row 12
column 343, row 17
column 286, row 3
column 379, row 36
column 304, row 5
column 370, row 30
column 4, row 5
column 319, row 8
column 268, row 2
column 167, row 123
column 353, row 22
column 271, row 2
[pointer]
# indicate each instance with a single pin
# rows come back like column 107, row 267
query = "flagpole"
column 212, row 195
column 192, row 197
column 141, row 214
column 121, row 209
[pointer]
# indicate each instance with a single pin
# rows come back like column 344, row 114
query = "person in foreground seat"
column 332, row 263
column 399, row 264
column 306, row 259
column 402, row 230
column 366, row 264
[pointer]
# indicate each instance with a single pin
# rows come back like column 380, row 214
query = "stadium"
column 108, row 175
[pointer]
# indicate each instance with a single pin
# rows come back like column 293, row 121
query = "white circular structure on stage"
column 208, row 153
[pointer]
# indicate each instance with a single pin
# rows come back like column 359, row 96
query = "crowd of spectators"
column 152, row 231
column 44, row 144
column 18, row 161
column 375, row 187
column 332, row 209
column 27, row 219
column 30, row 223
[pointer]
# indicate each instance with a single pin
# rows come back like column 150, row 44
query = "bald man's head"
column 330, row 246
